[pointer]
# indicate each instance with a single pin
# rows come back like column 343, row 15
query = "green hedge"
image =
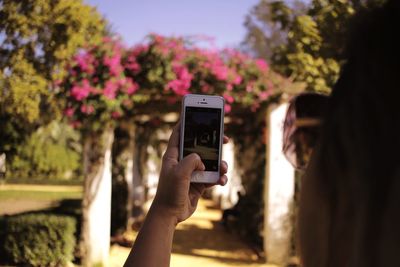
column 37, row 239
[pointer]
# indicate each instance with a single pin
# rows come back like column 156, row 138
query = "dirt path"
column 201, row 241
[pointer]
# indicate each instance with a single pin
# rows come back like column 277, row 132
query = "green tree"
column 52, row 151
column 37, row 38
column 311, row 37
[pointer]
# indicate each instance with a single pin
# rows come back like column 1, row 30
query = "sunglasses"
column 301, row 128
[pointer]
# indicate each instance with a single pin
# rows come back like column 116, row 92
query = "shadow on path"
column 203, row 241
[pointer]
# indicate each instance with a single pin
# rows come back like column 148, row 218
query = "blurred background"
column 89, row 92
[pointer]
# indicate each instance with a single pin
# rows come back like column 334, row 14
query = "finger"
column 224, row 167
column 189, row 164
column 223, row 180
column 172, row 151
column 195, row 192
column 197, row 189
column 226, row 139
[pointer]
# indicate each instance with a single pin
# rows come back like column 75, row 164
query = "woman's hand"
column 176, row 197
column 175, row 201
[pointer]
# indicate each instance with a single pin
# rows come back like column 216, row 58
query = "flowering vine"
column 105, row 82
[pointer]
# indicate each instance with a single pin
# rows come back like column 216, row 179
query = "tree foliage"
column 305, row 41
column 37, row 38
column 52, row 151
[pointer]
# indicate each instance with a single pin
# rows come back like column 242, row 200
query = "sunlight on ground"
column 202, row 241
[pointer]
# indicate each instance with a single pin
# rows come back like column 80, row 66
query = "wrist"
column 163, row 214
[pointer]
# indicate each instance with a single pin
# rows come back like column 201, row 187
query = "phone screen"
column 202, row 135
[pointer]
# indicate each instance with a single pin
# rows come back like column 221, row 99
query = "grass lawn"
column 22, row 198
column 37, row 195
column 39, row 192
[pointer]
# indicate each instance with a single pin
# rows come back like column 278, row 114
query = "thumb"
column 189, row 164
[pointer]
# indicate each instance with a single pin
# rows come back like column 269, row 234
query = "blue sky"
column 134, row 19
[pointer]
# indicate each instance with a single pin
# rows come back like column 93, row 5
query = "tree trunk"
column 96, row 203
column 131, row 165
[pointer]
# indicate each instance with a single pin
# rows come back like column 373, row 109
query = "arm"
column 175, row 201
column 154, row 242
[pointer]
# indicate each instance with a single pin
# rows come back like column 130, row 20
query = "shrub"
column 38, row 239
column 52, row 151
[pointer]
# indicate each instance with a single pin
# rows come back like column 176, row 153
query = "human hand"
column 176, row 197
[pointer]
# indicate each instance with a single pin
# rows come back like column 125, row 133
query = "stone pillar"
column 278, row 192
column 227, row 196
column 96, row 203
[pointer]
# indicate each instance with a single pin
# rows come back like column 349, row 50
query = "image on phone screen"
column 202, row 135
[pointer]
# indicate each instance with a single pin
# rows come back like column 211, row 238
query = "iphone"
column 202, row 131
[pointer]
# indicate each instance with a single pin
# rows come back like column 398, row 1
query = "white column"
column 96, row 222
column 279, row 192
column 227, row 195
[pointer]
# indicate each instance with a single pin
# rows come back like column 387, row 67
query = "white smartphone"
column 202, row 132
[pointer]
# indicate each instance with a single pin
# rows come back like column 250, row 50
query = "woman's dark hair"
column 302, row 126
column 355, row 170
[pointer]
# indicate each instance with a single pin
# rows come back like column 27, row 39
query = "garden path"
column 202, row 241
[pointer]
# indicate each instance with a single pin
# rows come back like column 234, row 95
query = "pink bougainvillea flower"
column 87, row 109
column 157, row 38
column 181, row 84
column 123, row 81
column 229, row 98
column 262, row 65
column 228, row 108
column 264, row 95
column 237, row 79
column 96, row 91
column 85, row 62
column 110, row 90
column 81, row 92
column 75, row 124
column 220, row 71
column 131, row 89
column 116, row 114
column 114, row 63
column 69, row 112
column 182, row 72
column 138, row 49
column 179, row 87
column 131, row 64
column 249, row 88
column 107, row 39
